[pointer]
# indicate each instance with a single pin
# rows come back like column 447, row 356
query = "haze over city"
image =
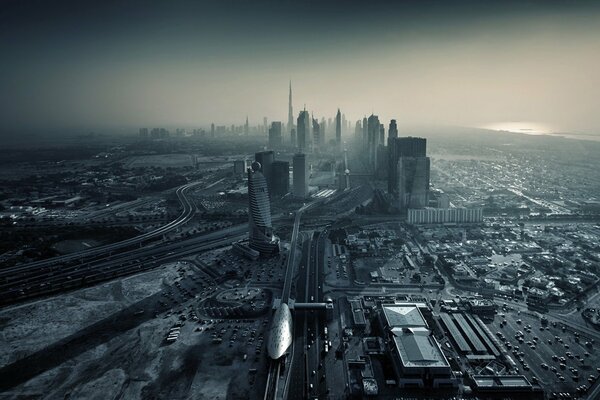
column 72, row 65
column 300, row 200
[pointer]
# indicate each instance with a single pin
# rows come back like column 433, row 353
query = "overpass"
column 280, row 335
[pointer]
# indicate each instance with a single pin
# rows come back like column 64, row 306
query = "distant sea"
column 535, row 128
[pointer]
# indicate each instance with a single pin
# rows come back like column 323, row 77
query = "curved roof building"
column 259, row 211
column 280, row 334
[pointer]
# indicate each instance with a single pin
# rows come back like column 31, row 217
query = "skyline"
column 190, row 64
column 300, row 199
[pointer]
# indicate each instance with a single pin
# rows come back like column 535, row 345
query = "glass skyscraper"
column 261, row 234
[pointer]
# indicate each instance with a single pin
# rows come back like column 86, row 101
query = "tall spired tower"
column 290, row 124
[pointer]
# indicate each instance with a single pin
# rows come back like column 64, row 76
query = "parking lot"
column 560, row 360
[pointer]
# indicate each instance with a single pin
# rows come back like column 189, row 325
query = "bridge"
column 280, row 335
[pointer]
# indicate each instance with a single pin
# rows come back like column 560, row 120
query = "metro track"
column 272, row 380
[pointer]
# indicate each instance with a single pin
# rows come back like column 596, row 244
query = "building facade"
column 265, row 160
column 401, row 147
column 303, row 131
column 413, row 182
column 275, row 135
column 280, row 178
column 445, row 215
column 373, row 139
column 338, row 129
column 261, row 235
column 300, row 177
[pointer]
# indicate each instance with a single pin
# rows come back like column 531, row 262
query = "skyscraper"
column 280, row 178
column 373, row 139
column 365, row 138
column 392, row 130
column 265, row 160
column 293, row 138
column 246, row 127
column 413, row 182
column 323, row 127
column 303, row 131
column 316, row 135
column 290, row 125
column 338, row 129
column 212, row 130
column 300, row 175
column 358, row 132
column 382, row 159
column 402, row 147
column 275, row 139
column 261, row 235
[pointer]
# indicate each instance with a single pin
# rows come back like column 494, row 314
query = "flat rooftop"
column 418, row 349
column 501, row 381
column 405, row 316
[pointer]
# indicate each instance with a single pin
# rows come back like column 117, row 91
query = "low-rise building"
column 416, row 355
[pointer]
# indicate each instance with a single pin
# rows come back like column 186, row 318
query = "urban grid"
column 328, row 254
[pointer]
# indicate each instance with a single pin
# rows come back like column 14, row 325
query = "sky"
column 108, row 64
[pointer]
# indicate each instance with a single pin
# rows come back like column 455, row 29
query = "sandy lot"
column 108, row 342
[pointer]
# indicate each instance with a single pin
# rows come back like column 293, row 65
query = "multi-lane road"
column 306, row 378
column 98, row 264
column 189, row 208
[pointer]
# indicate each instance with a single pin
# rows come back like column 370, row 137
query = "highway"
column 61, row 278
column 187, row 213
column 270, row 389
column 285, row 296
column 317, row 320
column 308, row 341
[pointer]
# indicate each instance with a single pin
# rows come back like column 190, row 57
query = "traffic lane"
column 111, row 261
column 542, row 354
column 320, row 319
column 313, row 333
column 297, row 370
column 314, row 353
column 532, row 358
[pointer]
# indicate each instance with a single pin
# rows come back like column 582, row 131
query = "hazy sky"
column 85, row 64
